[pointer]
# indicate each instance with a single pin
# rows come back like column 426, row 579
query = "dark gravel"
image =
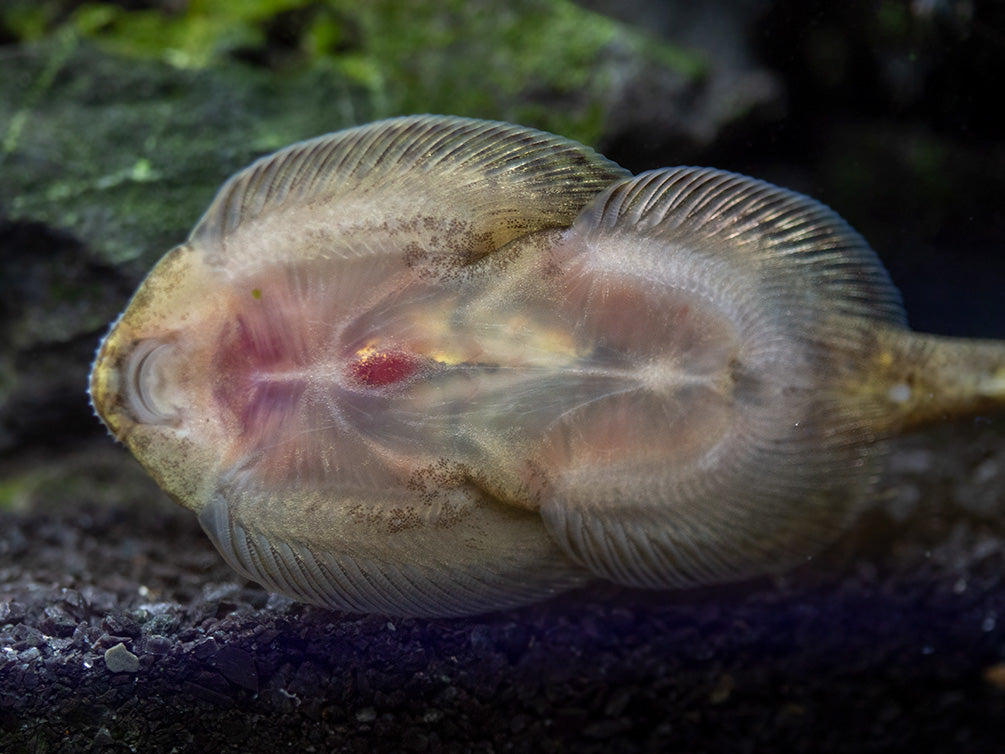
column 894, row 640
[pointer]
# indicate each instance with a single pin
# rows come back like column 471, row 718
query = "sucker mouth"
column 146, row 388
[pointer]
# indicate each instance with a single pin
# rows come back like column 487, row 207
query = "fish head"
column 151, row 382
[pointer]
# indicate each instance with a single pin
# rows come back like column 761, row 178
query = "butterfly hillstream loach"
column 440, row 366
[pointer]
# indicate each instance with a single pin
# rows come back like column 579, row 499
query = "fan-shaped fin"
column 755, row 512
column 746, row 455
column 468, row 556
column 426, row 188
column 803, row 253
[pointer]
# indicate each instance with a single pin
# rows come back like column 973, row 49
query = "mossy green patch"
column 197, row 35
column 125, row 155
column 548, row 63
column 118, row 125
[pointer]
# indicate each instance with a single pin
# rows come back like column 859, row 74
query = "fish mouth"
column 132, row 385
column 147, row 385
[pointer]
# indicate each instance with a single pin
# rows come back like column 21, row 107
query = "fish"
column 437, row 366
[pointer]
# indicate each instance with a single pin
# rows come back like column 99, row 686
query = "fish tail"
column 912, row 379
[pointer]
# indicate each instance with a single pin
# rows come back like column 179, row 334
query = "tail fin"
column 913, row 379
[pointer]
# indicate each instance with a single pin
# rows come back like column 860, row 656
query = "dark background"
column 117, row 123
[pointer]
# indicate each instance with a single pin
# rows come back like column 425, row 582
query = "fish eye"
column 147, row 386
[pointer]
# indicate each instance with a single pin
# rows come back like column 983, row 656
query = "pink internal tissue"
column 383, row 368
column 302, row 386
column 259, row 372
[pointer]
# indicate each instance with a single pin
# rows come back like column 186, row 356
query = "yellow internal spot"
column 445, row 357
column 993, row 386
column 559, row 343
column 256, row 293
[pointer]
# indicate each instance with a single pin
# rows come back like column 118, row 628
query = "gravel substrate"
column 122, row 630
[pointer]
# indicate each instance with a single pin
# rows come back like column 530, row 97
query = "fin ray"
column 802, row 292
column 795, row 244
column 499, row 180
column 431, row 575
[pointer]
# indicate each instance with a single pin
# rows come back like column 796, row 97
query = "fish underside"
column 440, row 366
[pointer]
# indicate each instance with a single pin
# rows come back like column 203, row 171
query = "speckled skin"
column 435, row 366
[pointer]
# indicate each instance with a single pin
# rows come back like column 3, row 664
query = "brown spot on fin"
column 380, row 552
column 481, row 183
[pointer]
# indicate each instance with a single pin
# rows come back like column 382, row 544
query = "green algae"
column 124, row 155
column 117, row 125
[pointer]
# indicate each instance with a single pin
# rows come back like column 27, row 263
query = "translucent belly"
column 372, row 382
